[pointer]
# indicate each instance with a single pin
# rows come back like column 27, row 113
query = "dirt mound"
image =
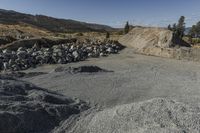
column 152, row 116
column 26, row 108
column 151, row 40
column 81, row 69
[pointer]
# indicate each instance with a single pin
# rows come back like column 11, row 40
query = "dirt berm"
column 159, row 42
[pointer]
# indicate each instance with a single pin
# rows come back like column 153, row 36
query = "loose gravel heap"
column 25, row 108
column 25, row 58
column 157, row 115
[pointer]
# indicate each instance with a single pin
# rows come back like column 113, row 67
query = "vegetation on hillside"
column 192, row 37
column 50, row 23
column 179, row 28
column 126, row 28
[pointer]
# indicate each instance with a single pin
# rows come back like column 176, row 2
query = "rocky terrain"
column 158, row 115
column 141, row 94
column 25, row 58
column 123, row 93
column 28, row 108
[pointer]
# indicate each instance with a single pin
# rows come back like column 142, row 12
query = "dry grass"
column 13, row 30
column 95, row 35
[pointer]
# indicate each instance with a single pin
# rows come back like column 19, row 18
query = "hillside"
column 49, row 23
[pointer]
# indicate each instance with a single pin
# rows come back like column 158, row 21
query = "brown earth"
column 159, row 42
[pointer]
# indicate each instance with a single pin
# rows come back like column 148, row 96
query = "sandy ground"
column 136, row 78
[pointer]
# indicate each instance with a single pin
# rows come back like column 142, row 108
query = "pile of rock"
column 26, row 108
column 25, row 58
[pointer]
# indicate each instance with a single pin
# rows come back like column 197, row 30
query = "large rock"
column 25, row 108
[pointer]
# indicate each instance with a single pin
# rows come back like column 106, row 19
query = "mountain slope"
column 50, row 23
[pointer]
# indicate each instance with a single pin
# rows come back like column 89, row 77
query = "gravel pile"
column 25, row 58
column 155, row 116
column 25, row 108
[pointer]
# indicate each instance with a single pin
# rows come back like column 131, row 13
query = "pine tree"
column 180, row 29
column 126, row 28
column 169, row 27
column 193, row 31
column 174, row 27
column 107, row 35
column 197, row 29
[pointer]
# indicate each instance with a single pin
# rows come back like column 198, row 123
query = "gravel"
column 26, row 108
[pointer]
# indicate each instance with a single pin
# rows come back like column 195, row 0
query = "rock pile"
column 25, row 58
column 25, row 108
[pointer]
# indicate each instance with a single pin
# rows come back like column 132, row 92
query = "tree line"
column 179, row 30
column 126, row 29
column 195, row 30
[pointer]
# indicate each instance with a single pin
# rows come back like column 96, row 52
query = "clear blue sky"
column 112, row 12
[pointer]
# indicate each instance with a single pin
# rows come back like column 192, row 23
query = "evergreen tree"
column 107, row 35
column 193, row 32
column 126, row 28
column 197, row 29
column 174, row 27
column 169, row 27
column 180, row 29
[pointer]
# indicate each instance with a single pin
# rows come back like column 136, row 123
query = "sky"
column 112, row 12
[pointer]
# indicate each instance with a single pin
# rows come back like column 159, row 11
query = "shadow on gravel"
column 81, row 69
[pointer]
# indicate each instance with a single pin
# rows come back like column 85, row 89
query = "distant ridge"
column 50, row 23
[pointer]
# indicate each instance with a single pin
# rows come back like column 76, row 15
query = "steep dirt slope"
column 140, row 38
column 154, row 41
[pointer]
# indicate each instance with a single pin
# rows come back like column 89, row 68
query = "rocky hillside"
column 49, row 23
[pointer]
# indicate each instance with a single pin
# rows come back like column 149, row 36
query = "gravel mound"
column 25, row 108
column 154, row 41
column 81, row 69
column 153, row 116
column 141, row 38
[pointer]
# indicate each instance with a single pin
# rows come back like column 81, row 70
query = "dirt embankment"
column 159, row 42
